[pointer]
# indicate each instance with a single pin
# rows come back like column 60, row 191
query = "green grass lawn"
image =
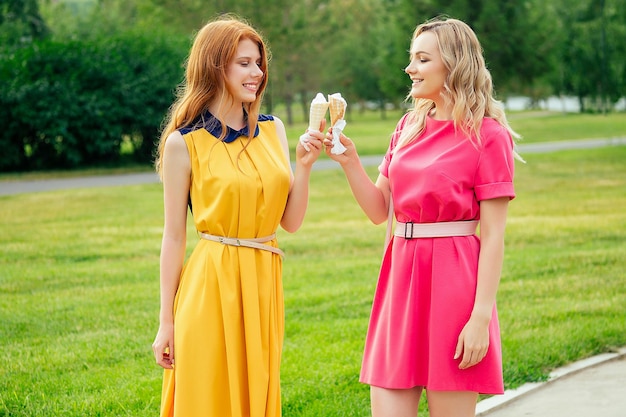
column 79, row 289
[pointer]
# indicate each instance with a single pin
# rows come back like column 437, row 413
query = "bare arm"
column 298, row 199
column 372, row 197
column 474, row 339
column 176, row 184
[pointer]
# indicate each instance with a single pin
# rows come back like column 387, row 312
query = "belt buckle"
column 407, row 234
column 232, row 241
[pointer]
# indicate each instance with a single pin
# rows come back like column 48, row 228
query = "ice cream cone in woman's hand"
column 317, row 113
column 337, row 106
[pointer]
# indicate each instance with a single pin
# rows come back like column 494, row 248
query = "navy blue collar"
column 209, row 122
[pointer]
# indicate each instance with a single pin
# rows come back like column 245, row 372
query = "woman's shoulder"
column 175, row 146
column 492, row 126
column 493, row 135
column 174, row 139
column 271, row 120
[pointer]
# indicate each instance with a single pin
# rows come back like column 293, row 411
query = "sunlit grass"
column 79, row 289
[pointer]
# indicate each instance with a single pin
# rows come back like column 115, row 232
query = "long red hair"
column 214, row 46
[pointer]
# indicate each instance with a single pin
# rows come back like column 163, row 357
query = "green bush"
column 154, row 68
column 72, row 103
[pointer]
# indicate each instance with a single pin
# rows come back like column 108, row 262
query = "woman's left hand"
column 473, row 342
column 309, row 151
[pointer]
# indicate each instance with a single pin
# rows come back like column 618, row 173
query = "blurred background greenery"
column 87, row 82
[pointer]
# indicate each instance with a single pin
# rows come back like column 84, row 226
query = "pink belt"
column 440, row 229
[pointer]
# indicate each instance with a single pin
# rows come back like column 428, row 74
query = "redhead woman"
column 221, row 317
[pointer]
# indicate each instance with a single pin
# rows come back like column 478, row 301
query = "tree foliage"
column 20, row 22
column 81, row 76
column 592, row 65
column 72, row 103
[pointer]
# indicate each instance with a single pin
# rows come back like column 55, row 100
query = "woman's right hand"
column 163, row 346
column 348, row 156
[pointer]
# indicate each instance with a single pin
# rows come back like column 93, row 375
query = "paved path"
column 594, row 387
column 29, row 186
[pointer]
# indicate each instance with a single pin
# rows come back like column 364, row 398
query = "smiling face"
column 426, row 69
column 244, row 74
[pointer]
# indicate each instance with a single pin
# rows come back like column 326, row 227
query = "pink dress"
column 426, row 287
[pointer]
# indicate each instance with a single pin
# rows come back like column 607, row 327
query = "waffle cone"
column 337, row 106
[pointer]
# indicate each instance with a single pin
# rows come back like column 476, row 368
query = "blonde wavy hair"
column 468, row 85
column 214, row 47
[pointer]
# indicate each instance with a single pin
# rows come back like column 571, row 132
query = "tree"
column 391, row 41
column 352, row 61
column 20, row 22
column 592, row 59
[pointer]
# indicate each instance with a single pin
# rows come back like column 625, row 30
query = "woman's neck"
column 234, row 116
column 441, row 113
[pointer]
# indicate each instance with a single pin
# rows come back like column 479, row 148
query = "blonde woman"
column 434, row 325
column 221, row 318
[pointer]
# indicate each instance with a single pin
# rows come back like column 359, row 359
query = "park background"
column 87, row 82
column 84, row 86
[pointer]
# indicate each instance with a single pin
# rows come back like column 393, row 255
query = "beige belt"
column 439, row 229
column 256, row 243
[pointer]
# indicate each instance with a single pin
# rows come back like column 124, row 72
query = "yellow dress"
column 228, row 311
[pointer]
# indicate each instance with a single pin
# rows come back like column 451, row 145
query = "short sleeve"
column 383, row 168
column 496, row 165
